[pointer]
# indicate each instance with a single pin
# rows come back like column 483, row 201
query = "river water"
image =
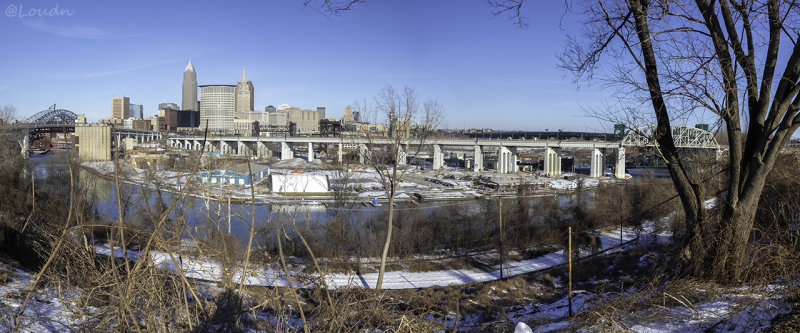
column 200, row 214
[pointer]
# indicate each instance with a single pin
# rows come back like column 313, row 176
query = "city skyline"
column 470, row 61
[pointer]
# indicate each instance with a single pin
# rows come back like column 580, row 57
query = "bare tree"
column 410, row 129
column 683, row 57
column 7, row 113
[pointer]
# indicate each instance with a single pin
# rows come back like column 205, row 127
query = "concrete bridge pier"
column 552, row 162
column 262, row 150
column 477, row 164
column 506, row 160
column 362, row 153
column 401, row 156
column 620, row 172
column 501, row 159
column 286, row 151
column 513, row 160
column 242, row 149
column 438, row 157
column 597, row 164
column 310, row 156
column 25, row 145
column 226, row 147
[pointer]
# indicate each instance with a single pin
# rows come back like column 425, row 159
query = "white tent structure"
column 299, row 183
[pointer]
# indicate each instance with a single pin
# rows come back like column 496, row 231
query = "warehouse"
column 235, row 174
column 299, row 183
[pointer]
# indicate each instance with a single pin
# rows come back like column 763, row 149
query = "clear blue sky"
column 486, row 71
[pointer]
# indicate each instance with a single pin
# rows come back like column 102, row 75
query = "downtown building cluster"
column 227, row 109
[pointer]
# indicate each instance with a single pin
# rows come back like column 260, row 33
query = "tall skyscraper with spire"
column 189, row 101
column 244, row 94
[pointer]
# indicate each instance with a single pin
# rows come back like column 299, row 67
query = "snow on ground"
column 208, row 269
column 738, row 311
column 45, row 310
column 136, row 174
column 724, row 314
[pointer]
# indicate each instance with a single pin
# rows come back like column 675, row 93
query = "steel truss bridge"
column 683, row 136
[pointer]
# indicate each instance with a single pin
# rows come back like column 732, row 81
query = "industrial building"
column 299, row 183
column 93, row 142
column 236, row 174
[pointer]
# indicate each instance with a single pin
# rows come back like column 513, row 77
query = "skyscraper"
column 321, row 112
column 244, row 95
column 348, row 115
column 189, row 88
column 217, row 107
column 136, row 111
column 120, row 107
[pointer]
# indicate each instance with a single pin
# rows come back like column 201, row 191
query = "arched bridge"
column 683, row 136
column 52, row 116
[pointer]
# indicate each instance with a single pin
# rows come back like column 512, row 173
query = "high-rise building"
column 217, row 107
column 136, row 111
column 181, row 119
column 321, row 112
column 120, row 107
column 306, row 121
column 244, row 94
column 169, row 106
column 189, row 101
column 348, row 115
column 163, row 107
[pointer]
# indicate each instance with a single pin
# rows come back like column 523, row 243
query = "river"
column 200, row 213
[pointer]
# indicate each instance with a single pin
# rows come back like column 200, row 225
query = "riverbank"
column 363, row 186
column 208, row 269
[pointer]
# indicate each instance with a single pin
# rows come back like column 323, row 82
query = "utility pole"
column 501, row 236
column 569, row 253
column 229, row 215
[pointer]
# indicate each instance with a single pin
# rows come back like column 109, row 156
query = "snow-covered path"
column 210, row 270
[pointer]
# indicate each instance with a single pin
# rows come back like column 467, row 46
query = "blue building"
column 236, row 174
column 136, row 111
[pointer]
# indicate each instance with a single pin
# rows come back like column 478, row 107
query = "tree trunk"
column 388, row 241
column 734, row 234
column 716, row 249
